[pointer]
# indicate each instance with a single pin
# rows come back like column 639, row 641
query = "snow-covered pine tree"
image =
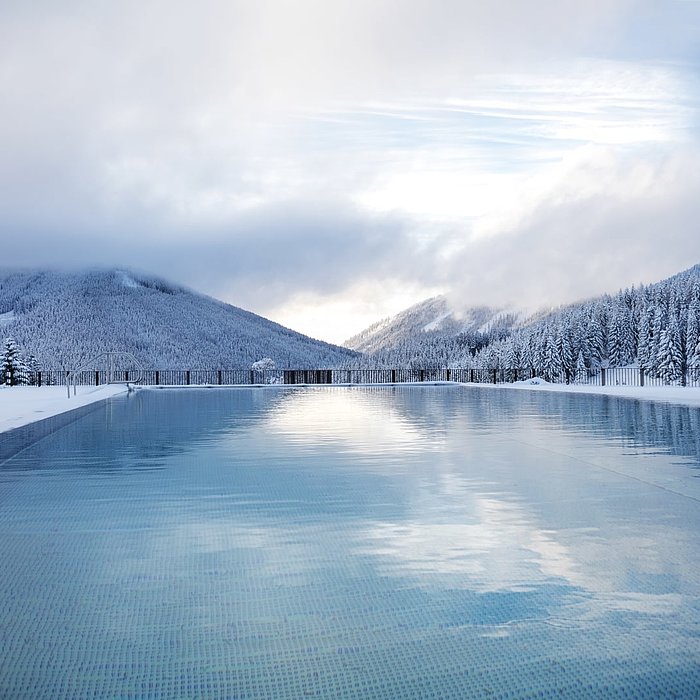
column 615, row 340
column 551, row 365
column 628, row 335
column 621, row 341
column 694, row 363
column 526, row 361
column 581, row 375
column 33, row 369
column 566, row 352
column 578, row 339
column 540, row 349
column 658, row 326
column 14, row 371
column 692, row 334
column 511, row 360
column 669, row 355
column 596, row 340
column 644, row 348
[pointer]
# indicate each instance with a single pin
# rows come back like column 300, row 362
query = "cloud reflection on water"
column 474, row 529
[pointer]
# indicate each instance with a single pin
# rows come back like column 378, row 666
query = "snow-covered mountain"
column 655, row 326
column 433, row 333
column 65, row 318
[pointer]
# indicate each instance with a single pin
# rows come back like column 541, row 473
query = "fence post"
column 422, row 374
column 187, row 377
column 602, row 376
column 641, row 376
column 494, row 375
column 393, row 376
column 218, row 376
column 126, row 375
column 38, row 378
column 97, row 377
column 157, row 377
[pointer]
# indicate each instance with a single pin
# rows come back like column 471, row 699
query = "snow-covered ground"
column 20, row 405
column 680, row 395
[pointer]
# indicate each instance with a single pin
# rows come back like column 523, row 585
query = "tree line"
column 654, row 327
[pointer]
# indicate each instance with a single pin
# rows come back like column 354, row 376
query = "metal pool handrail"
column 110, row 361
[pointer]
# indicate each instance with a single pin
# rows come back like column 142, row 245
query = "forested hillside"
column 654, row 327
column 65, row 318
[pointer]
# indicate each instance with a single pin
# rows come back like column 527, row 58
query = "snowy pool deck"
column 22, row 405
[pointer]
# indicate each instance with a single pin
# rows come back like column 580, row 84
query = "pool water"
column 408, row 542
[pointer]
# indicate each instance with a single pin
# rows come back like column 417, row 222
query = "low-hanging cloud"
column 257, row 260
column 607, row 221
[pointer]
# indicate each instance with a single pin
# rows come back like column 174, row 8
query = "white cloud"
column 600, row 221
column 338, row 316
column 288, row 151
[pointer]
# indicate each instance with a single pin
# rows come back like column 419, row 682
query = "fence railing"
column 624, row 376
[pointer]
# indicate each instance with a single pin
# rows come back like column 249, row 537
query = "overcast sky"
column 327, row 163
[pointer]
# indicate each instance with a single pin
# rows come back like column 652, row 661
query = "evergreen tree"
column 565, row 351
column 14, row 371
column 615, row 341
column 526, row 359
column 628, row 336
column 511, row 361
column 33, row 368
column 551, row 362
column 581, row 376
column 658, row 326
column 692, row 334
column 644, row 343
column 579, row 340
column 669, row 355
column 596, row 340
column 694, row 363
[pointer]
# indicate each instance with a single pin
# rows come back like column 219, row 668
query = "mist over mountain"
column 655, row 327
column 65, row 318
column 433, row 333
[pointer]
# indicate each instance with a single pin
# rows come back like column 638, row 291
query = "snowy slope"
column 65, row 318
column 432, row 327
column 656, row 326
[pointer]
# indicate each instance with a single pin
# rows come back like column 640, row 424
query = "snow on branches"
column 15, row 370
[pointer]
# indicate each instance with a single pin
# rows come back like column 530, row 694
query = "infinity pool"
column 417, row 542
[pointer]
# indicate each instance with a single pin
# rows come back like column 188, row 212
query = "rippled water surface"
column 415, row 542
